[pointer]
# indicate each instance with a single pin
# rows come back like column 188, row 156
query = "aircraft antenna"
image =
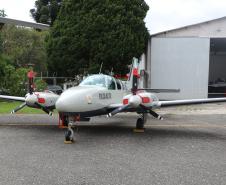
column 112, row 71
column 101, row 67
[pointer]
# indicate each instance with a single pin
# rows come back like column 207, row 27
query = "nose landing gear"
column 69, row 135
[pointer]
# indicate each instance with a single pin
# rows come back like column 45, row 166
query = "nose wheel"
column 69, row 135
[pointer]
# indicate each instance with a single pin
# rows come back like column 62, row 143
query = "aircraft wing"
column 189, row 102
column 117, row 108
column 15, row 98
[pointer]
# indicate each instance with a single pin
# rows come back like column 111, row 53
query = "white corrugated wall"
column 180, row 63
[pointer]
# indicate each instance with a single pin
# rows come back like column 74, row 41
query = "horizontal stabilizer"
column 161, row 90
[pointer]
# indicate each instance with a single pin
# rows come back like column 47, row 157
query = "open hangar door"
column 180, row 63
column 217, row 68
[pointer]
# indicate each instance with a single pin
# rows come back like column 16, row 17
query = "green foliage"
column 89, row 32
column 2, row 13
column 40, row 85
column 45, row 11
column 12, row 81
column 24, row 46
column 1, row 43
column 7, row 106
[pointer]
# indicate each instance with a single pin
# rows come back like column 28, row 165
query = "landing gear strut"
column 63, row 121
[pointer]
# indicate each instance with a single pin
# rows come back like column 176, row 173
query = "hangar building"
column 191, row 58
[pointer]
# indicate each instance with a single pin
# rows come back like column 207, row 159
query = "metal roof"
column 39, row 26
column 188, row 26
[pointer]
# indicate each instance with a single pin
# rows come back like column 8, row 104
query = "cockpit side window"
column 111, row 83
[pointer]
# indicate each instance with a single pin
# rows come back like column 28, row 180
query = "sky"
column 162, row 15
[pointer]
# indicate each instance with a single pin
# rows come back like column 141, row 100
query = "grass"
column 7, row 106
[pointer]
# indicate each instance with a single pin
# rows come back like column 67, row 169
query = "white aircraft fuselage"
column 91, row 100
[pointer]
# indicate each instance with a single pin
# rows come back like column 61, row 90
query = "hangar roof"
column 4, row 20
column 212, row 28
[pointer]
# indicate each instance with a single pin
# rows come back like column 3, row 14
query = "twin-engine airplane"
column 101, row 95
column 104, row 95
column 41, row 100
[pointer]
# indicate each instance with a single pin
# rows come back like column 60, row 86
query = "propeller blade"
column 18, row 108
column 30, row 76
column 153, row 113
column 161, row 90
column 134, row 73
column 118, row 110
column 44, row 109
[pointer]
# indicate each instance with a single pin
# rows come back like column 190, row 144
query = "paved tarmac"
column 184, row 148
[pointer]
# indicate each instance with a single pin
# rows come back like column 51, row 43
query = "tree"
column 90, row 32
column 2, row 13
column 24, row 46
column 1, row 43
column 45, row 11
column 40, row 85
column 12, row 80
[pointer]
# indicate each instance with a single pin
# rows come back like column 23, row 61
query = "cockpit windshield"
column 99, row 80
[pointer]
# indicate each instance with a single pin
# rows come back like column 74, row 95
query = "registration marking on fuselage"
column 103, row 96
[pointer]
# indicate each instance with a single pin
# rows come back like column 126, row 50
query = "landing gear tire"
column 140, row 123
column 69, row 135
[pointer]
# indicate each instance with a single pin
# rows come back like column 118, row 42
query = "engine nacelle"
column 144, row 98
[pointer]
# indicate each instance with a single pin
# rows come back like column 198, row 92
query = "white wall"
column 180, row 63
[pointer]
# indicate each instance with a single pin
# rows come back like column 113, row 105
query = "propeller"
column 31, row 97
column 18, row 108
column 135, row 100
column 118, row 110
column 43, row 108
column 31, row 76
column 153, row 113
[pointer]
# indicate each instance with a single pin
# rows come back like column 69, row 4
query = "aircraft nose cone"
column 67, row 100
column 61, row 104
column 76, row 99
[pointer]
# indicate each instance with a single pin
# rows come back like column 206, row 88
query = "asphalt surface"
column 184, row 148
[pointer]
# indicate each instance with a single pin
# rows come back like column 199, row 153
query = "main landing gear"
column 140, row 123
column 143, row 118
